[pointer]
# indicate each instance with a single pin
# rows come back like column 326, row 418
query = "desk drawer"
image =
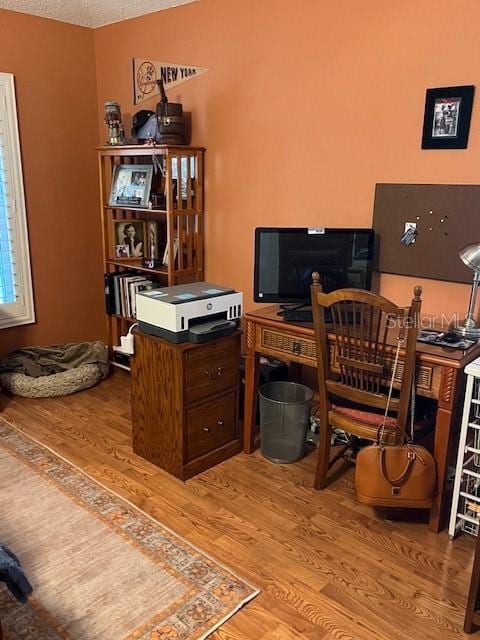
column 282, row 343
column 212, row 369
column 210, row 425
column 302, row 349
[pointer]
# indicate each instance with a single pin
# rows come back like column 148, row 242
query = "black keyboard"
column 303, row 315
column 297, row 315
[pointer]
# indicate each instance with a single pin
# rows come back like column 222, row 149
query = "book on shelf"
column 135, row 287
column 121, row 290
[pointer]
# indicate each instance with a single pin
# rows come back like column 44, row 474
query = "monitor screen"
column 285, row 259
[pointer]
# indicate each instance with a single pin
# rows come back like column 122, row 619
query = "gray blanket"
column 45, row 361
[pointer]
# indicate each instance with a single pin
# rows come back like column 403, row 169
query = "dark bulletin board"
column 447, row 218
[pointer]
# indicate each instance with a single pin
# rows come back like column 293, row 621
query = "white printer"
column 197, row 311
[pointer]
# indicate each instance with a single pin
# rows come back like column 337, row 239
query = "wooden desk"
column 439, row 375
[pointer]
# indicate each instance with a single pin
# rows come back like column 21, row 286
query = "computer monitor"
column 285, row 259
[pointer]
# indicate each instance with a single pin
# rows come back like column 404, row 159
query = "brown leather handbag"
column 402, row 475
column 395, row 476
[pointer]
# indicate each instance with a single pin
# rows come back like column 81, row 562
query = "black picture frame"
column 446, row 122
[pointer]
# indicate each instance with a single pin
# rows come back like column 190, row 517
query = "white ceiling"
column 89, row 13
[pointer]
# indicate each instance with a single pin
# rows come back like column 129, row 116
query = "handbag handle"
column 381, row 428
column 379, row 437
column 411, row 455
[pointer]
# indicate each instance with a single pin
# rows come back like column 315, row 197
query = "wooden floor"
column 328, row 568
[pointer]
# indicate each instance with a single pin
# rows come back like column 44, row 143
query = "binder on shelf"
column 109, row 297
column 112, row 304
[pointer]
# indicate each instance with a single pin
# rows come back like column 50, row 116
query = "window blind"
column 16, row 298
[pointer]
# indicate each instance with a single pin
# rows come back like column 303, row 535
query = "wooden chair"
column 367, row 328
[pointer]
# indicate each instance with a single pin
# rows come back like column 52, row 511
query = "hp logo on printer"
column 209, row 306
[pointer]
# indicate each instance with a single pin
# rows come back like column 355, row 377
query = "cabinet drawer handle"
column 213, row 374
column 220, row 423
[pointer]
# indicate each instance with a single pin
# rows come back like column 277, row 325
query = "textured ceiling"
column 89, row 13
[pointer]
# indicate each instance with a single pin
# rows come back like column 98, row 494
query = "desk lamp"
column 470, row 256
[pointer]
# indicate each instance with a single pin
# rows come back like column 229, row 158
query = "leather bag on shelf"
column 402, row 475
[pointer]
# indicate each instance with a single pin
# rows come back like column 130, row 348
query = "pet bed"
column 46, row 372
column 56, row 384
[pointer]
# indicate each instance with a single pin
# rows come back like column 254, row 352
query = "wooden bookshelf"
column 136, row 265
column 178, row 184
column 136, row 209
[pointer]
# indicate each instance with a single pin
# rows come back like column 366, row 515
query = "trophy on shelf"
column 113, row 120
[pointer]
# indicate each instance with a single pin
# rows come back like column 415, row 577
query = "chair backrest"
column 367, row 328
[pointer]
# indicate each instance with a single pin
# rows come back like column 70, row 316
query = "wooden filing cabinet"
column 185, row 402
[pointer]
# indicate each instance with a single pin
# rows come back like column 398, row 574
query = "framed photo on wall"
column 129, row 239
column 131, row 184
column 446, row 121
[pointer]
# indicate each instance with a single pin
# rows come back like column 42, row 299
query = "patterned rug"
column 100, row 568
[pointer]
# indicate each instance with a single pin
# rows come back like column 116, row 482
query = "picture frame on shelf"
column 130, row 238
column 446, row 121
column 131, row 185
column 122, row 251
column 151, row 263
column 152, row 239
column 166, row 252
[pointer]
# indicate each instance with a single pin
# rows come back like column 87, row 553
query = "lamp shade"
column 470, row 255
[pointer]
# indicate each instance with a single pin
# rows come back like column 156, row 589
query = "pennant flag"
column 147, row 72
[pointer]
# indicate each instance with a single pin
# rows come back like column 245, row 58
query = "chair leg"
column 341, row 453
column 355, row 446
column 323, row 452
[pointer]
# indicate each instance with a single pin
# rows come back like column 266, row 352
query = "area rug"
column 101, row 569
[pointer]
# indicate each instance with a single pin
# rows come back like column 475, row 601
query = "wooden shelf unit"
column 180, row 222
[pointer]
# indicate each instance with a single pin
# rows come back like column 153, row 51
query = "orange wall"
column 54, row 70
column 307, row 105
